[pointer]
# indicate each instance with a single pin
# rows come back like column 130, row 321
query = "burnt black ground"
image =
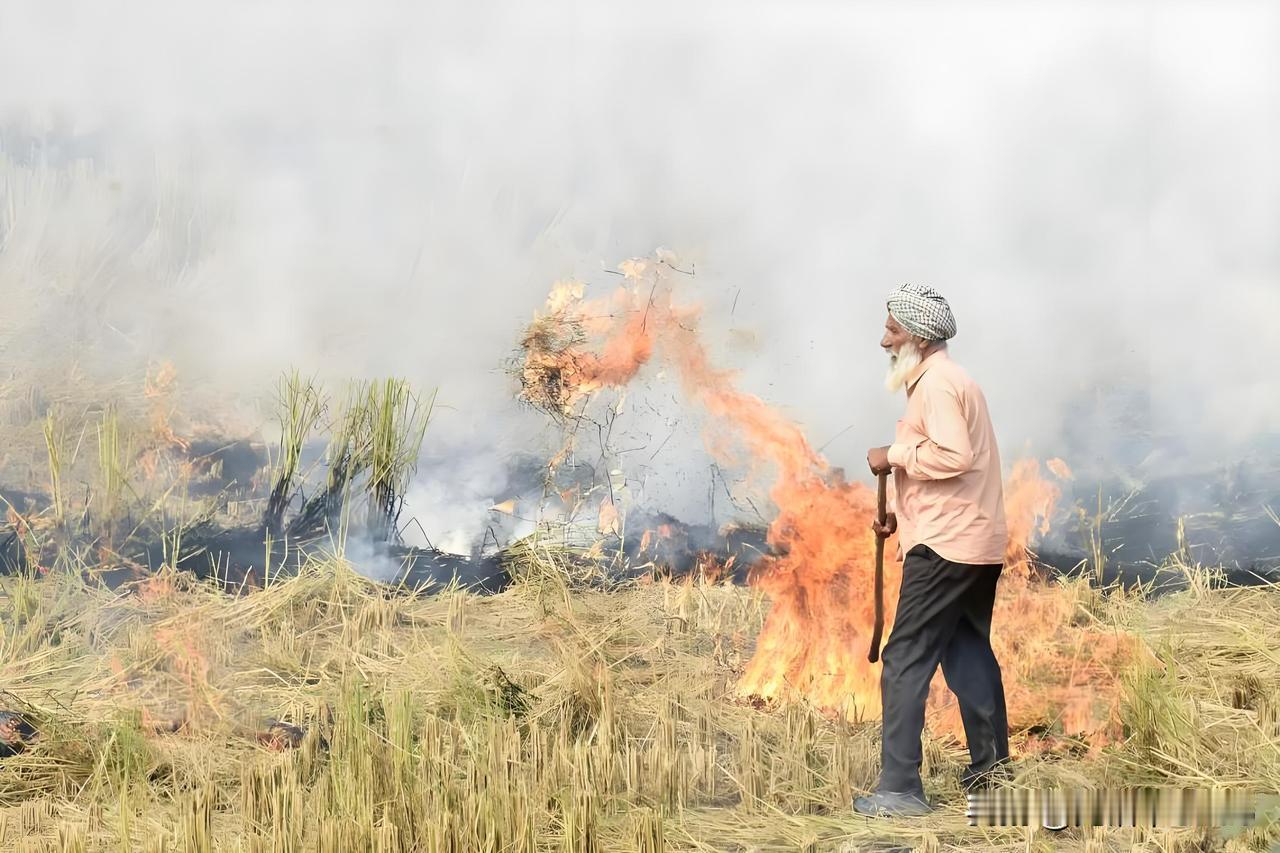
column 1222, row 513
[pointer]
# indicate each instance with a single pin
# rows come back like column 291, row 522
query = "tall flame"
column 814, row 640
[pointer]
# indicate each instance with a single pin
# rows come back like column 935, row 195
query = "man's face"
column 905, row 351
column 894, row 337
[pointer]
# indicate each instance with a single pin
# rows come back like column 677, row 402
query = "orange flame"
column 1028, row 506
column 190, row 664
column 819, row 622
column 814, row 640
column 1055, row 672
column 158, row 389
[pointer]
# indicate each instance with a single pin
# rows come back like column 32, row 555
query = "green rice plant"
column 348, row 453
column 347, row 458
column 55, row 441
column 375, row 441
column 397, row 422
column 301, row 405
column 115, row 454
column 123, row 755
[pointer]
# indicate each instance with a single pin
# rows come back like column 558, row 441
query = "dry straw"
column 531, row 720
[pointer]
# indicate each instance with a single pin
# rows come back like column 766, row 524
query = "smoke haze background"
column 390, row 189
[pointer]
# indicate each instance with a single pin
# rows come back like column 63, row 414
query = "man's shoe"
column 986, row 778
column 891, row 804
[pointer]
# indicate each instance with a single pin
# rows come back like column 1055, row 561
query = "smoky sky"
column 391, row 187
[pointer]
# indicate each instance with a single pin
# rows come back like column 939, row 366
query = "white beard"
column 901, row 363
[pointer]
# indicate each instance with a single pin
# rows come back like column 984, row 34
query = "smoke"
column 242, row 187
column 451, row 504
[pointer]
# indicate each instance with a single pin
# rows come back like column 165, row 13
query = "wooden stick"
column 877, row 630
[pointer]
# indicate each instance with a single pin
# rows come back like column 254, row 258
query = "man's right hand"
column 890, row 526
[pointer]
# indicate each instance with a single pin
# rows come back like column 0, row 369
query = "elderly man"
column 949, row 517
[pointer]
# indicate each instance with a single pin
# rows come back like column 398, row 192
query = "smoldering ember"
column 586, row 427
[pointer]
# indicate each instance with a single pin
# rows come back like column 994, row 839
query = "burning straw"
column 558, row 715
column 812, row 645
column 549, row 717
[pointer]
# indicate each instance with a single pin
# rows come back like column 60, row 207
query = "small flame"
column 191, row 665
column 609, row 521
column 158, row 388
column 1029, row 501
column 1059, row 469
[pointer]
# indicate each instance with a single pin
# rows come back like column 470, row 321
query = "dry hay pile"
column 544, row 718
column 555, row 365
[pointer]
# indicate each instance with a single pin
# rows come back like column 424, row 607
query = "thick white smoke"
column 390, row 187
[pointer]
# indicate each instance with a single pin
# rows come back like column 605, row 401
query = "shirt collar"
column 933, row 358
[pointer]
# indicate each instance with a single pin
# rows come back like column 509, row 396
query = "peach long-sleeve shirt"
column 946, row 467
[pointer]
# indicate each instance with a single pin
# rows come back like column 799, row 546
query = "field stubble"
column 550, row 717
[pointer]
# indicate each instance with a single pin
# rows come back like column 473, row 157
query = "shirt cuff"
column 898, row 455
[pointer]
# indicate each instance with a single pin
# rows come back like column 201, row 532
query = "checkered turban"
column 922, row 311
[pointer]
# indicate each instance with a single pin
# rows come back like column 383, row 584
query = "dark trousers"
column 943, row 616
